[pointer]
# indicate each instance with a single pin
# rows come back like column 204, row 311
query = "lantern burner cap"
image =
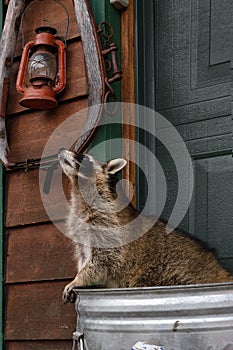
column 46, row 29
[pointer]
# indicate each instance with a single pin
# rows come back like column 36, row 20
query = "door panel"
column 193, row 79
column 196, row 97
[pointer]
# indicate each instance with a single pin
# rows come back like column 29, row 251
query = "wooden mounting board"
column 94, row 64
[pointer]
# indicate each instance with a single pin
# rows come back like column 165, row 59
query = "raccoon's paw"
column 68, row 294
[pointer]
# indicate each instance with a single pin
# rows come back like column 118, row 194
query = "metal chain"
column 109, row 51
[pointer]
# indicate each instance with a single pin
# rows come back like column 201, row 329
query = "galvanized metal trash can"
column 196, row 317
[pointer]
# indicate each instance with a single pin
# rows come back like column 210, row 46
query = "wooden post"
column 7, row 48
column 128, row 95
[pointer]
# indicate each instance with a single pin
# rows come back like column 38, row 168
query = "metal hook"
column 103, row 24
column 78, row 341
column 107, row 110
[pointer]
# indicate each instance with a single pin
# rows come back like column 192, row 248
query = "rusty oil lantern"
column 42, row 71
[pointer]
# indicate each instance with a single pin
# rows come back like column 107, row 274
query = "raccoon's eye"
column 79, row 157
column 67, row 162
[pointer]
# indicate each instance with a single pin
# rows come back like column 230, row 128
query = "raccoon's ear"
column 115, row 165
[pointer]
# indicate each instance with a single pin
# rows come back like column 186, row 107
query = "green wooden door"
column 1, row 216
column 187, row 46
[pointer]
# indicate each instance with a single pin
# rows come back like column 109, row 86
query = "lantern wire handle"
column 31, row 4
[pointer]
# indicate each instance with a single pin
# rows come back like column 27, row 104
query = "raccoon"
column 111, row 251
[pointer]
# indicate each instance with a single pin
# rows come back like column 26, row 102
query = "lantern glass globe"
column 42, row 65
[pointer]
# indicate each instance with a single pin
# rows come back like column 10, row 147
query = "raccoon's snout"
column 73, row 157
column 63, row 155
column 67, row 162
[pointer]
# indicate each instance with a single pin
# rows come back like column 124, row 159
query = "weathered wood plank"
column 45, row 254
column 28, row 133
column 40, row 345
column 7, row 48
column 36, row 312
column 24, row 204
column 77, row 85
column 56, row 17
column 95, row 69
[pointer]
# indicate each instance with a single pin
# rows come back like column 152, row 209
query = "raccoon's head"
column 85, row 168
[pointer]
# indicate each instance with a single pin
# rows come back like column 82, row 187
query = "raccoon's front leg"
column 83, row 254
column 68, row 294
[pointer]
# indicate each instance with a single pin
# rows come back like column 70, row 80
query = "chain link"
column 109, row 52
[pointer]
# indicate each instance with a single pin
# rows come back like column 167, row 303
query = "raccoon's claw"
column 68, row 295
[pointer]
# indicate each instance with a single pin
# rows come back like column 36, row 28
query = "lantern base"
column 39, row 98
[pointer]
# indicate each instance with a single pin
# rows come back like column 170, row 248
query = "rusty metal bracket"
column 32, row 164
column 109, row 52
column 48, row 164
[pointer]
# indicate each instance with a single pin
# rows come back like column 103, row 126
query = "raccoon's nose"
column 60, row 154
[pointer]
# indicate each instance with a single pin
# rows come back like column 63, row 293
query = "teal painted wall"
column 104, row 11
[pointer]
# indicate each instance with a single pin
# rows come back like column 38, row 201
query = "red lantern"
column 42, row 71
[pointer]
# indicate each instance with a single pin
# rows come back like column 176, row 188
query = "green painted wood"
column 1, row 222
column 1, row 256
column 191, row 85
column 104, row 11
column 145, row 85
column 1, row 15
